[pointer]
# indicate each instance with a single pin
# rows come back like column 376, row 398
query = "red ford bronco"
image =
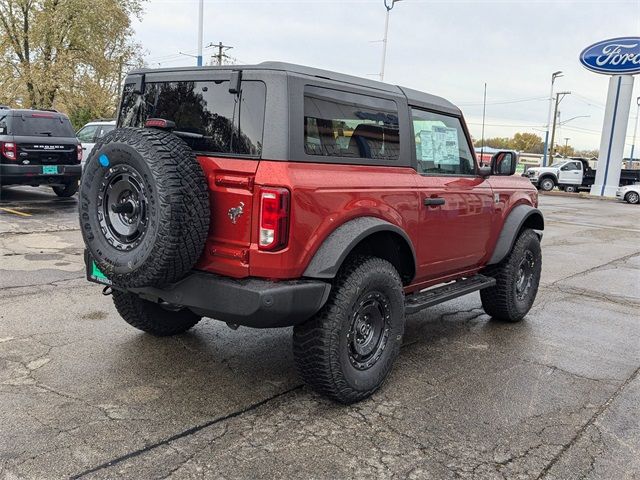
column 278, row 195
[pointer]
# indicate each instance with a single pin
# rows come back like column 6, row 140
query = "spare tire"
column 144, row 207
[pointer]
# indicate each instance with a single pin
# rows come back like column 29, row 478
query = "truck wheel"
column 517, row 279
column 570, row 188
column 347, row 350
column 547, row 184
column 68, row 190
column 632, row 197
column 151, row 317
column 144, row 207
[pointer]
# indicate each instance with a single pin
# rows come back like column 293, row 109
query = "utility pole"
column 554, row 75
column 218, row 58
column 559, row 97
column 200, row 31
column 386, row 35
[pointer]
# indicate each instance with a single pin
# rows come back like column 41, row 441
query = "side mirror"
column 484, row 171
column 504, row 163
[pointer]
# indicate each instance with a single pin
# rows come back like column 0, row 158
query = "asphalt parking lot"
column 84, row 395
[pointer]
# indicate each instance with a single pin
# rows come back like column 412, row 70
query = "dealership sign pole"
column 620, row 58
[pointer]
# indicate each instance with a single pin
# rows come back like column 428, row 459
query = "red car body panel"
column 449, row 240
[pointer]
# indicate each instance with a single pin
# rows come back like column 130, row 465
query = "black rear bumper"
column 32, row 174
column 250, row 302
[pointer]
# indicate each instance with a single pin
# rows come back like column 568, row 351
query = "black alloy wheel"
column 122, row 207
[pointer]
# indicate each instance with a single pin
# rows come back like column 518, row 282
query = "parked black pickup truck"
column 39, row 147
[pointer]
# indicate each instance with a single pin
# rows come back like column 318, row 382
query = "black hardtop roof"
column 413, row 96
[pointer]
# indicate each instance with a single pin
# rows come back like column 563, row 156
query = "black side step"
column 434, row 296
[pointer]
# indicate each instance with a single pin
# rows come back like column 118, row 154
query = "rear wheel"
column 632, row 197
column 151, row 317
column 347, row 350
column 517, row 279
column 570, row 188
column 547, row 184
column 69, row 189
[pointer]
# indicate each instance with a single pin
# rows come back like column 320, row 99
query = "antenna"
column 484, row 111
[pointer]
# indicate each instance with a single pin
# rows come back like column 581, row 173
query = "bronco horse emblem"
column 236, row 212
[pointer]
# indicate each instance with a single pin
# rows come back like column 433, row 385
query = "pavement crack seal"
column 184, row 433
column 579, row 434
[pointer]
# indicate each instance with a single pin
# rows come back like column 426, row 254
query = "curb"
column 583, row 195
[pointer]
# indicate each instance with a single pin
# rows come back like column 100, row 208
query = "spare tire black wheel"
column 144, row 207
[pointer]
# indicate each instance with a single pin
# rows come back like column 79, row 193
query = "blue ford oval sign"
column 617, row 56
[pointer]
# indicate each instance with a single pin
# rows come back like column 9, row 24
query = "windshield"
column 207, row 116
column 41, row 125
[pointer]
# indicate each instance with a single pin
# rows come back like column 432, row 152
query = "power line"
column 503, row 102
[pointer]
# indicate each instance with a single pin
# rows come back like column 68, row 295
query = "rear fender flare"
column 520, row 216
column 340, row 243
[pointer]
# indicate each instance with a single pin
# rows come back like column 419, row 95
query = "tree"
column 522, row 142
column 565, row 150
column 497, row 142
column 66, row 54
column 528, row 142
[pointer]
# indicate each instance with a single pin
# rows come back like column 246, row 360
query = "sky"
column 449, row 48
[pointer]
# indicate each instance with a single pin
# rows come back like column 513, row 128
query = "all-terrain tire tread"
column 498, row 301
column 152, row 318
column 316, row 341
column 183, row 200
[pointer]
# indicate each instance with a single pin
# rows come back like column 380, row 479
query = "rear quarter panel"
column 325, row 196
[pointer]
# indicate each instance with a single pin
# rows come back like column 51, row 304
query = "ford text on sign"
column 617, row 56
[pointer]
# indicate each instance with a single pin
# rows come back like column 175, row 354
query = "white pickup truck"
column 572, row 175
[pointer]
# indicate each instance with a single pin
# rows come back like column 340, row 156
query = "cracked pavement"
column 84, row 395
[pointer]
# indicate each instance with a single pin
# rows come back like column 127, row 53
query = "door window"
column 441, row 145
column 86, row 134
column 571, row 166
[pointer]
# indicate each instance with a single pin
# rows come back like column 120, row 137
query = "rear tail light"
column 274, row 218
column 79, row 148
column 9, row 150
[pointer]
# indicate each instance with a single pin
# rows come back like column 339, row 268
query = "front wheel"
column 347, row 350
column 151, row 317
column 547, row 184
column 67, row 190
column 632, row 197
column 517, row 280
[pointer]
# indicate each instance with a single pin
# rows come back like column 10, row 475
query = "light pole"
column 635, row 132
column 386, row 35
column 200, row 31
column 559, row 97
column 554, row 75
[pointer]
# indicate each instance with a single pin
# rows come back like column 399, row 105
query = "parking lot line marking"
column 15, row 212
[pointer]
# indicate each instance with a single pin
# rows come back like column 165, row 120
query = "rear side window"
column 207, row 116
column 103, row 130
column 41, row 125
column 441, row 145
column 341, row 124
